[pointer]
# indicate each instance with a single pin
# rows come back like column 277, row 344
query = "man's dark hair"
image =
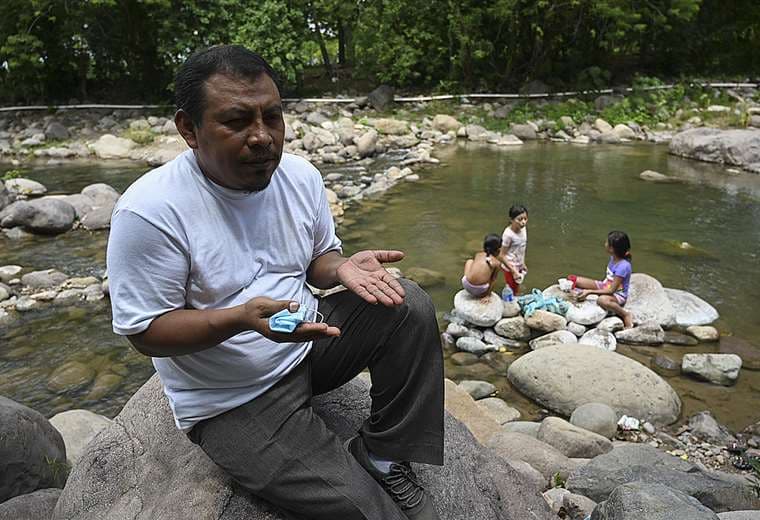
column 235, row 60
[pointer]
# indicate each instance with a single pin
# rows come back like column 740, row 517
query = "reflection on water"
column 575, row 195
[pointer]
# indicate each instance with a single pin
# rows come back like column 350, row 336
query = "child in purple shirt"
column 613, row 290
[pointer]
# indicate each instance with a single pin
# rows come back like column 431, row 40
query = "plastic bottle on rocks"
column 507, row 295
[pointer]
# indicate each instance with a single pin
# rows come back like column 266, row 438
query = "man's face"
column 239, row 141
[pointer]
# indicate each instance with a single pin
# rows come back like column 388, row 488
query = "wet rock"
column 43, row 279
column 25, row 304
column 637, row 462
column 596, row 417
column 735, row 147
column 498, row 361
column 37, row 505
column 704, row 426
column 586, row 313
column 424, row 277
column 638, row 500
column 464, row 358
column 666, row 366
column 69, row 295
column 676, row 338
column 542, row 456
column 562, row 379
column 599, row 338
column 704, row 334
column 43, row 216
column 170, row 469
column 571, row 440
column 577, row 329
column 691, row 309
column 78, row 428
column 9, row 272
column 513, row 328
column 499, row 410
column 484, row 311
column 648, row 300
column 111, row 147
column 70, row 377
column 648, row 333
column 652, row 176
column 104, row 384
column 445, row 123
column 32, row 452
column 749, row 353
column 474, row 345
column 477, row 389
column 457, row 330
column 23, row 186
column 559, row 337
column 719, row 369
column 545, row 321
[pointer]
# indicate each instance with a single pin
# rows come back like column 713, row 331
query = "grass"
column 141, row 137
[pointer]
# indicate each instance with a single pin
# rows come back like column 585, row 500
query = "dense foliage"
column 126, row 50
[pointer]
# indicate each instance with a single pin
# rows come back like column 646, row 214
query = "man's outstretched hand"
column 364, row 274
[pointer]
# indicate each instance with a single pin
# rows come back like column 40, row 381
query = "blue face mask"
column 286, row 321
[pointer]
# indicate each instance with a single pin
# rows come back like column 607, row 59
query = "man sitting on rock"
column 205, row 249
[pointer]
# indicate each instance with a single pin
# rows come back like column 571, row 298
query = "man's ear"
column 186, row 128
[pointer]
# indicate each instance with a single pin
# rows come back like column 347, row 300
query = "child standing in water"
column 480, row 272
column 514, row 242
column 613, row 290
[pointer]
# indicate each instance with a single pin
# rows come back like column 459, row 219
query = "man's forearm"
column 186, row 331
column 323, row 271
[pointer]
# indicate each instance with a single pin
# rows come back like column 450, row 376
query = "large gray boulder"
column 101, row 194
column 43, row 279
column 734, row 147
column 47, row 215
column 141, row 467
column 638, row 500
column 585, row 313
column 37, row 505
column 571, row 440
column 691, row 309
column 646, row 333
column 647, row 300
column 564, row 377
column 32, row 453
column 78, row 428
column 704, row 426
column 596, row 417
column 641, row 463
column 484, row 311
column 544, row 457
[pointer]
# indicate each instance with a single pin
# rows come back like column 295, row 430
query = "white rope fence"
column 400, row 99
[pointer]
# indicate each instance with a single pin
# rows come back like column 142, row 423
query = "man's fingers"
column 386, row 256
column 394, row 284
column 268, row 307
column 361, row 291
column 390, row 295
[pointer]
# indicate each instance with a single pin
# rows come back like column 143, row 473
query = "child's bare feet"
column 627, row 320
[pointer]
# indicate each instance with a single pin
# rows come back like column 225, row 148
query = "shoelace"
column 403, row 486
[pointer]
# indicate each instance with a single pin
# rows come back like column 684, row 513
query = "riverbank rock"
column 639, row 500
column 32, row 452
column 23, row 186
column 558, row 337
column 37, row 505
column 474, row 346
column 585, row 313
column 545, row 321
column 47, row 216
column 704, row 426
column 562, row 379
column 599, row 338
column 704, row 333
column 143, row 468
column 572, row 441
column 499, row 410
column 647, row 300
column 513, row 328
column 665, row 365
column 70, row 376
column 541, row 456
column 445, row 123
column 111, row 147
column 43, row 279
column 720, row 369
column 465, row 409
column 740, row 515
column 691, row 309
column 78, row 428
column 484, row 311
column 647, row 333
column 641, row 463
column 735, row 147
column 596, row 417
column 477, row 389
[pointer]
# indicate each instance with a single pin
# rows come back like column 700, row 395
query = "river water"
column 575, row 195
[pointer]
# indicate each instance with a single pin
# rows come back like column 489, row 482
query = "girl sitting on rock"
column 480, row 272
column 613, row 290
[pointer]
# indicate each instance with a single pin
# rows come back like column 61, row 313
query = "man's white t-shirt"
column 179, row 241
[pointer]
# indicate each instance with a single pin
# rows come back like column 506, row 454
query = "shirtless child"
column 480, row 272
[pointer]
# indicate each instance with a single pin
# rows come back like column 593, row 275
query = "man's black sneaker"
column 400, row 483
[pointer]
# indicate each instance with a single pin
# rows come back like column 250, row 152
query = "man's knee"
column 417, row 302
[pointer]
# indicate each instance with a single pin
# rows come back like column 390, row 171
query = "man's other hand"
column 259, row 310
column 364, row 274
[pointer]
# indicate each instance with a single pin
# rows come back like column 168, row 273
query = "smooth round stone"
column 545, row 321
column 4, row 294
column 104, row 384
column 70, row 376
column 474, row 345
column 25, row 303
column 9, row 272
column 585, row 313
column 499, row 361
column 596, row 417
column 484, row 311
column 599, row 338
column 513, row 328
column 497, row 408
column 665, row 366
column 576, row 328
column 559, row 337
column 464, row 358
column 704, row 333
column 477, row 389
column 720, row 369
column 691, row 309
column 611, row 324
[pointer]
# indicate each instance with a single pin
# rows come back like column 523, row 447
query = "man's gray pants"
column 280, row 450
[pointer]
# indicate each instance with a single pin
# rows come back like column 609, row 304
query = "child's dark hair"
column 517, row 210
column 492, row 244
column 620, row 244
